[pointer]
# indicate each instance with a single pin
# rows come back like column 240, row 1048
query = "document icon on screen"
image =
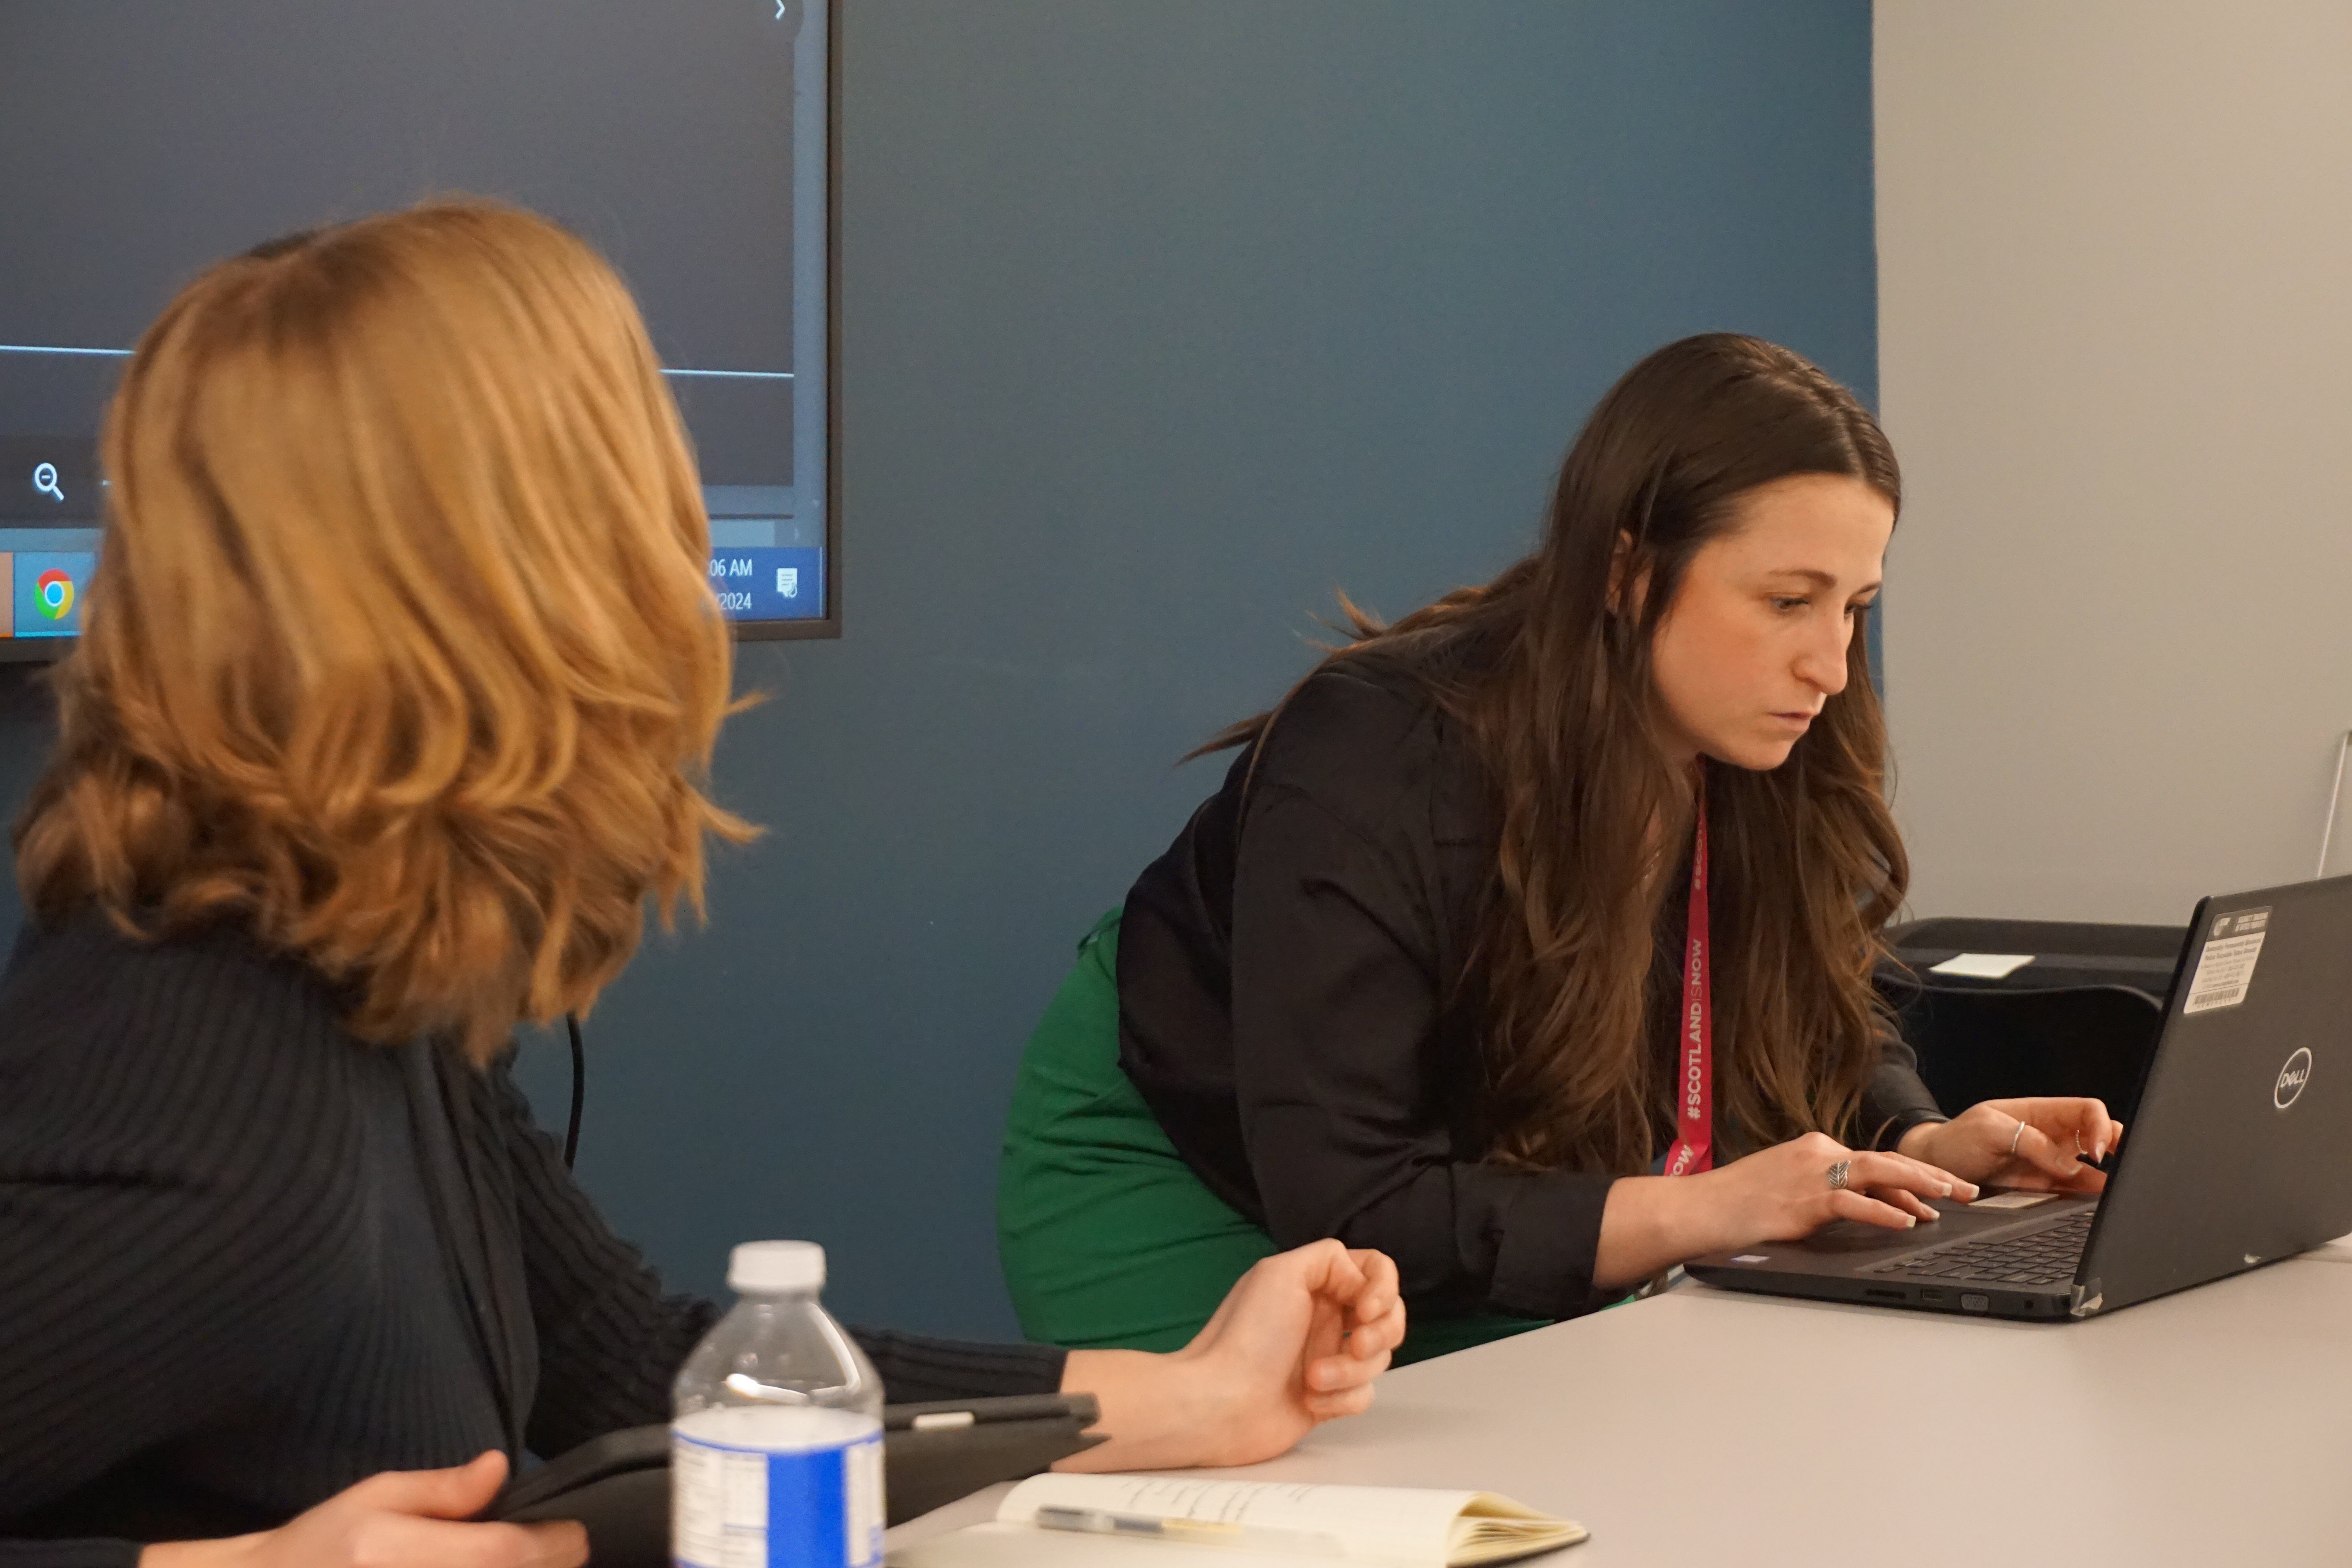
column 788, row 581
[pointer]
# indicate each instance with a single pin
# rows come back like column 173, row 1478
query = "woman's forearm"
column 1920, row 1141
column 1651, row 1224
column 1156, row 1417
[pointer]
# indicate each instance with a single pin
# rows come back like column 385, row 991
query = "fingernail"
column 1931, row 1213
column 1944, row 1191
column 1909, row 1220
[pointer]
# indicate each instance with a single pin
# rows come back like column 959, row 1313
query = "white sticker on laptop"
column 1982, row 965
column 2012, row 1200
column 2225, row 969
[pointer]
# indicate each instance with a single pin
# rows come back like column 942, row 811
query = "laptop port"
column 1972, row 1302
column 1883, row 1293
column 1931, row 1295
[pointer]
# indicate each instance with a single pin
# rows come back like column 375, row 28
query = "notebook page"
column 1398, row 1524
column 1497, row 1530
column 995, row 1545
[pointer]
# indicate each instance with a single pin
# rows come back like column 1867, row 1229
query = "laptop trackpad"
column 1998, row 1214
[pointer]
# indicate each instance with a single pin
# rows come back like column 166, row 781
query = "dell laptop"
column 2236, row 1157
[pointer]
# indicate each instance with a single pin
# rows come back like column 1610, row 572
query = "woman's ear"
column 1627, row 583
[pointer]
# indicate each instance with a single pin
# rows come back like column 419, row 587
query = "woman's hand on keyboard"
column 1778, row 1194
column 1784, row 1192
column 2040, row 1143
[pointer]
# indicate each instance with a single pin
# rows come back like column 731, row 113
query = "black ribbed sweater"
column 247, row 1259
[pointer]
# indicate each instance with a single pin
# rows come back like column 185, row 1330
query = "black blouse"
column 247, row 1261
column 1284, row 1005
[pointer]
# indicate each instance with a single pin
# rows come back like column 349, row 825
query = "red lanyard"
column 1694, row 1145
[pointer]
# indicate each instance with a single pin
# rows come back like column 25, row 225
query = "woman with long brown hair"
column 1530, row 938
column 396, row 698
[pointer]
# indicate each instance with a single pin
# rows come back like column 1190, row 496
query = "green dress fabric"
column 1108, row 1238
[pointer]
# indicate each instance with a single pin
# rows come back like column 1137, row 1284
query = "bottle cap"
column 765, row 1268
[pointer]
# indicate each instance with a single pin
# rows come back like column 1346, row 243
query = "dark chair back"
column 1978, row 1043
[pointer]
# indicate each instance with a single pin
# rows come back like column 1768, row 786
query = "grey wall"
column 1159, row 323
column 2117, row 357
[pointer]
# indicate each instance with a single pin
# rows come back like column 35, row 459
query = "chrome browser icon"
column 53, row 595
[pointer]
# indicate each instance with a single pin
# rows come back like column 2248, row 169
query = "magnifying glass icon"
column 44, row 479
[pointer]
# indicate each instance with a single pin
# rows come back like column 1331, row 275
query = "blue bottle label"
column 772, row 1499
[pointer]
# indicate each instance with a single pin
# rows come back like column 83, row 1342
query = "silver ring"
column 1838, row 1175
column 2015, row 1136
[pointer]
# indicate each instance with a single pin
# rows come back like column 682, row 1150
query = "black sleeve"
column 91, row 1263
column 152, row 1279
column 611, row 1341
column 69, row 1553
column 1335, row 1012
column 1896, row 1100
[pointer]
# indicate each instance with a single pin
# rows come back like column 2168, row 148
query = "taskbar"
column 42, row 589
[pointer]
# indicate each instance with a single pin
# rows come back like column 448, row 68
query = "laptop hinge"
column 2087, row 1299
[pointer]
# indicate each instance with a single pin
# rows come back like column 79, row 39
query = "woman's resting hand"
column 402, row 1518
column 1299, row 1341
column 1778, row 1194
column 2038, row 1144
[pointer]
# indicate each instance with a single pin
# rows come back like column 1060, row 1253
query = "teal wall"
column 1159, row 323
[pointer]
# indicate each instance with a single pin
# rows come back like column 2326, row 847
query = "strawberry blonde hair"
column 401, row 650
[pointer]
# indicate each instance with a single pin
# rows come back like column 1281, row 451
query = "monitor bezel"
column 829, row 624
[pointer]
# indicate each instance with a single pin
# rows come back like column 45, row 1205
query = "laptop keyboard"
column 2044, row 1257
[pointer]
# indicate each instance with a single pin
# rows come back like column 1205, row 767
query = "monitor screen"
column 690, row 141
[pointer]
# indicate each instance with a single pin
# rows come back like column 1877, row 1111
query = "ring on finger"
column 1840, row 1174
column 2015, row 1136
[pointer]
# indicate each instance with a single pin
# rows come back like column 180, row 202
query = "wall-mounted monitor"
column 690, row 141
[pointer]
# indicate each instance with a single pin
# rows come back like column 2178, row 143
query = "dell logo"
column 2291, row 1079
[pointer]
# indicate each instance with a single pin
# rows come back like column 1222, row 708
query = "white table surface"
column 2212, row 1427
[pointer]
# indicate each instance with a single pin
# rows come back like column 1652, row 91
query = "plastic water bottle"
column 776, row 1454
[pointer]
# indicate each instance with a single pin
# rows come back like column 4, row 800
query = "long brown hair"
column 1559, row 706
column 401, row 647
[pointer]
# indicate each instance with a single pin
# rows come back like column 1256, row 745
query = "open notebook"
column 1180, row 1521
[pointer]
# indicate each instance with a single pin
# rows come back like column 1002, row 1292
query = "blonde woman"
column 398, row 681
